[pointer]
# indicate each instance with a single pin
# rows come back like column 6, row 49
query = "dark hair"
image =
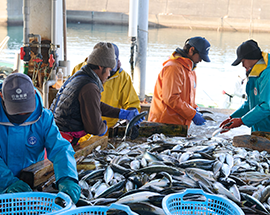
column 187, row 47
column 104, row 70
column 93, row 67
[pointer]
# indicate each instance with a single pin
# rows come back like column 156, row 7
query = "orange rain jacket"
column 174, row 94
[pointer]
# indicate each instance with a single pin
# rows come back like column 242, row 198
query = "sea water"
column 212, row 78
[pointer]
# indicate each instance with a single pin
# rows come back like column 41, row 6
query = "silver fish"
column 255, row 202
column 132, row 122
column 137, row 197
column 108, row 174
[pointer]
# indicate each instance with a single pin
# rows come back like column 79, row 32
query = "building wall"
column 3, row 12
column 234, row 15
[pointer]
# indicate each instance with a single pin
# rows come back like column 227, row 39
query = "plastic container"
column 34, row 203
column 213, row 204
column 100, row 210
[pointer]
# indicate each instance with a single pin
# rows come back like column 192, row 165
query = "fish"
column 120, row 169
column 100, row 189
column 94, row 174
column 205, row 111
column 192, row 172
column 265, row 194
column 132, row 122
column 185, row 156
column 161, row 168
column 113, row 188
column 216, row 168
column 197, row 163
column 235, row 191
column 165, row 165
column 249, row 189
column 83, row 202
column 135, row 164
column 219, row 188
column 61, row 202
column 143, row 208
column 255, row 202
column 164, row 182
column 208, row 118
column 223, row 128
column 151, row 157
column 137, row 197
column 225, row 170
column 108, row 174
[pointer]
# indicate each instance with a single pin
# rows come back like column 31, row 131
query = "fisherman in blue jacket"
column 26, row 129
column 255, row 112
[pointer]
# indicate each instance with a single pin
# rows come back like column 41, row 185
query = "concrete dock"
column 222, row 15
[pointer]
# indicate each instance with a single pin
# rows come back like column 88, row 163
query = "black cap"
column 248, row 50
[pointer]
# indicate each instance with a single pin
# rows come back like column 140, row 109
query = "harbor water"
column 213, row 78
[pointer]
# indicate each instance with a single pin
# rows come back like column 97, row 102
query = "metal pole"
column 132, row 32
column 140, row 60
column 26, row 47
column 26, row 13
column 64, row 30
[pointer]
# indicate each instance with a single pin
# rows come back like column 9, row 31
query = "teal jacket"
column 23, row 145
column 255, row 112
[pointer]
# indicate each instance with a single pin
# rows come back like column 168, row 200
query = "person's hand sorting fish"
column 174, row 95
column 198, row 118
column 130, row 114
column 230, row 123
column 77, row 108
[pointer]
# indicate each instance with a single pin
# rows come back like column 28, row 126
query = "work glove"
column 198, row 119
column 19, row 186
column 70, row 187
column 235, row 122
column 129, row 114
column 226, row 121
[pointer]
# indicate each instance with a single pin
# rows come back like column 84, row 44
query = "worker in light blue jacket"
column 26, row 129
column 255, row 112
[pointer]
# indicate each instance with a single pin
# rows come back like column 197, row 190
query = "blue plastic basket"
column 213, row 204
column 33, row 203
column 98, row 210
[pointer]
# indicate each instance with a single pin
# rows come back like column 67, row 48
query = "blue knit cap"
column 116, row 52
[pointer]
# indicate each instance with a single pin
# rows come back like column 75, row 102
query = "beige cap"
column 102, row 55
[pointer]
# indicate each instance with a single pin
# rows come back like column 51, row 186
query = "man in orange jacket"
column 175, row 89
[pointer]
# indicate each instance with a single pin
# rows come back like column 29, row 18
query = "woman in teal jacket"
column 255, row 112
column 24, row 137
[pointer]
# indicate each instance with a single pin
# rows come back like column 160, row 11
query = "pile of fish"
column 139, row 174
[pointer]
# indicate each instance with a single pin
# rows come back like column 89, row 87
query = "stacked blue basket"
column 33, row 203
column 100, row 210
column 213, row 204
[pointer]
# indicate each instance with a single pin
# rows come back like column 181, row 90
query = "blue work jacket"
column 255, row 112
column 23, row 145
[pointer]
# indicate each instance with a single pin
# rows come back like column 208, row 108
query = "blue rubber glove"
column 129, row 114
column 19, row 186
column 105, row 129
column 198, row 119
column 70, row 187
